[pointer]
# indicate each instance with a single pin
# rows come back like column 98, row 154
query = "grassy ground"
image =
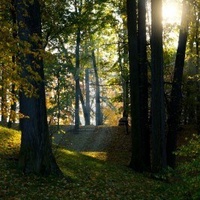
column 92, row 178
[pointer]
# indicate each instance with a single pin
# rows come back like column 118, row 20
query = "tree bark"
column 85, row 112
column 142, row 51
column 3, row 97
column 137, row 162
column 87, row 83
column 97, row 94
column 35, row 151
column 158, row 108
column 140, row 160
column 77, row 91
column 176, row 92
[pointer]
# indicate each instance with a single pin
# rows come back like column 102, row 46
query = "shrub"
column 189, row 168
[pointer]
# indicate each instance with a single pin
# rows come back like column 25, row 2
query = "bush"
column 189, row 169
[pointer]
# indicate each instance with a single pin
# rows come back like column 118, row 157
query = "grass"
column 92, row 178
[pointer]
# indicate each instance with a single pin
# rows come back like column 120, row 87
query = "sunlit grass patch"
column 9, row 141
column 95, row 154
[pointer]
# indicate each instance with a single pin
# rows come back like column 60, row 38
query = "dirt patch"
column 109, row 140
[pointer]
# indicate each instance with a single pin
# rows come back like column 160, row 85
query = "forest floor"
column 108, row 143
column 89, row 168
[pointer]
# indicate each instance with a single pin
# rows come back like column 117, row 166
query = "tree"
column 35, row 151
column 87, row 80
column 175, row 106
column 77, row 91
column 136, row 159
column 98, row 115
column 142, row 51
column 140, row 160
column 158, row 108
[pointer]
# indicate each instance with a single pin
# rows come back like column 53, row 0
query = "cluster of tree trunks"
column 163, row 140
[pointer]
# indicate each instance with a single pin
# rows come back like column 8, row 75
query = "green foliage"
column 189, row 169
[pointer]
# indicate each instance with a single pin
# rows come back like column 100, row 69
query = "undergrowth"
column 91, row 178
column 189, row 168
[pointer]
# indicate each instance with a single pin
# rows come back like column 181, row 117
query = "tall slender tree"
column 158, row 108
column 77, row 91
column 35, row 152
column 140, row 160
column 87, row 80
column 136, row 159
column 142, row 51
column 176, row 92
column 98, row 115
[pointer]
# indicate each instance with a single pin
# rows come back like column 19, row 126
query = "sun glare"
column 171, row 12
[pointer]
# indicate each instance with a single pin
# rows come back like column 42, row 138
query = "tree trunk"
column 140, row 160
column 97, row 96
column 85, row 113
column 87, row 83
column 3, row 97
column 58, row 100
column 77, row 94
column 123, row 73
column 158, row 109
column 137, row 161
column 142, row 51
column 176, row 93
column 35, row 152
column 12, row 115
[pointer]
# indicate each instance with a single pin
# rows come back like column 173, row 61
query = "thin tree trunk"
column 87, row 83
column 4, row 87
column 85, row 113
column 97, row 96
column 77, row 94
column 35, row 151
column 158, row 108
column 12, row 116
column 58, row 101
column 124, row 81
column 176, row 93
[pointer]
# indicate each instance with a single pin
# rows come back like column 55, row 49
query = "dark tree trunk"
column 35, row 152
column 140, row 160
column 176, row 93
column 97, row 94
column 142, row 51
column 137, row 161
column 123, row 73
column 158, row 109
